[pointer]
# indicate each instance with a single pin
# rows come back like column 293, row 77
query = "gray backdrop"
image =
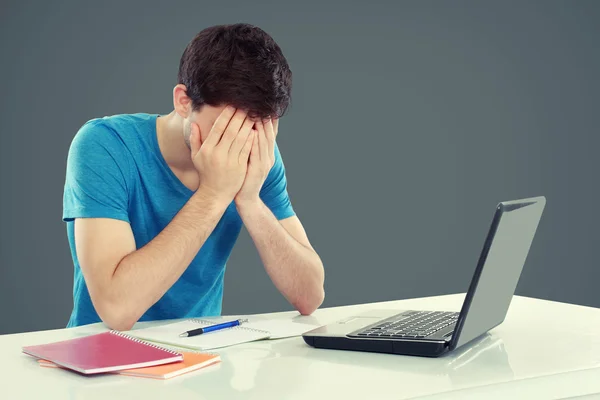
column 410, row 121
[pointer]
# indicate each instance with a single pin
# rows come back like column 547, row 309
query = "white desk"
column 542, row 350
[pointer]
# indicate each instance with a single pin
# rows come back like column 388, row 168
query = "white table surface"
column 543, row 350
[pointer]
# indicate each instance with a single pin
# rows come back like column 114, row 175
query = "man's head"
column 238, row 65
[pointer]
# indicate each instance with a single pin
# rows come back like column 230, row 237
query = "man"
column 154, row 204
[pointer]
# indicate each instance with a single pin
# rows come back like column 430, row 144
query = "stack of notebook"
column 145, row 352
column 115, row 352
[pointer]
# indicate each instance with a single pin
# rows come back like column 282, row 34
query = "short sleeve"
column 96, row 183
column 274, row 191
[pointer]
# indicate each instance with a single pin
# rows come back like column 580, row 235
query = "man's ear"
column 182, row 104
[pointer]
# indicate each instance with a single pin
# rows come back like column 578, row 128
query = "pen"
column 211, row 328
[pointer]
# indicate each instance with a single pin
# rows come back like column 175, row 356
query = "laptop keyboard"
column 412, row 324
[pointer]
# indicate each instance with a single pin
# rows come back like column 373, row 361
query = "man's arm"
column 124, row 282
column 289, row 259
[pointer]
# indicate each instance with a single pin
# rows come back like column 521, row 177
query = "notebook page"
column 169, row 334
column 281, row 328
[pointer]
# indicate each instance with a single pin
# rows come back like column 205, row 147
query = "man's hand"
column 262, row 158
column 222, row 160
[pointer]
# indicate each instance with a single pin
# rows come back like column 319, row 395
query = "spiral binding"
column 190, row 350
column 205, row 322
column 123, row 335
column 181, row 349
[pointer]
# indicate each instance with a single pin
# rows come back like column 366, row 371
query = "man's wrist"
column 248, row 205
column 210, row 196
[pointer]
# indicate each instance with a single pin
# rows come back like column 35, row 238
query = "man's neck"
column 169, row 132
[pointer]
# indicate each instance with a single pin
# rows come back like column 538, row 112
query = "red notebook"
column 104, row 352
column 192, row 361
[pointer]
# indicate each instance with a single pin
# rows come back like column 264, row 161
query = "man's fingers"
column 245, row 153
column 194, row 139
column 241, row 137
column 233, row 128
column 270, row 136
column 262, row 140
column 255, row 153
column 220, row 126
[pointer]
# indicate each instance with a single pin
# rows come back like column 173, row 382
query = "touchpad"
column 358, row 319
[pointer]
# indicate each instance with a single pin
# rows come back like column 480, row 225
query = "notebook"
column 255, row 329
column 103, row 352
column 192, row 361
column 169, row 334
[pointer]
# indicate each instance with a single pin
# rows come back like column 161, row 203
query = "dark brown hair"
column 237, row 64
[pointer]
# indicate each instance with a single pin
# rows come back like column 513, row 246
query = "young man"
column 154, row 204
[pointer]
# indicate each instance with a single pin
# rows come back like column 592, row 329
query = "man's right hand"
column 222, row 160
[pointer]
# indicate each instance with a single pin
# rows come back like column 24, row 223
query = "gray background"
column 410, row 121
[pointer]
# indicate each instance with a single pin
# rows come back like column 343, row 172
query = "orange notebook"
column 191, row 362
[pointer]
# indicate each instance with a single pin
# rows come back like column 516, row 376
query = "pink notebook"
column 192, row 361
column 103, row 352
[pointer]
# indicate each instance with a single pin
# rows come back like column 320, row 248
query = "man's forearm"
column 296, row 270
column 145, row 275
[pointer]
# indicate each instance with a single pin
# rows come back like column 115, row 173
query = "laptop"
column 432, row 333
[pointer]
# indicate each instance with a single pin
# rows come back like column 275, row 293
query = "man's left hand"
column 262, row 158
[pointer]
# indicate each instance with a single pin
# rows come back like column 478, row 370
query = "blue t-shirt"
column 115, row 170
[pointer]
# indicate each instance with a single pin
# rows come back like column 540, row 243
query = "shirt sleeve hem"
column 283, row 213
column 71, row 215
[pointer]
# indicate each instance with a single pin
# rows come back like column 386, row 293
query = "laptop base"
column 342, row 335
column 400, row 347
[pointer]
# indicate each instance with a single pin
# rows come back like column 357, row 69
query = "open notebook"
column 247, row 332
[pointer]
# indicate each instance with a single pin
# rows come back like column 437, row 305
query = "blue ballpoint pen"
column 211, row 328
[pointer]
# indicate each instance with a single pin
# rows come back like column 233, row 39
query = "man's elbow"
column 115, row 316
column 119, row 324
column 309, row 304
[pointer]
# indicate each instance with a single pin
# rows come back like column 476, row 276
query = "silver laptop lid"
column 499, row 268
